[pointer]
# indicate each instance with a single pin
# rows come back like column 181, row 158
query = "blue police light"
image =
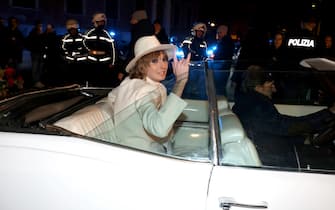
column 180, row 53
column 173, row 40
column 210, row 51
column 112, row 33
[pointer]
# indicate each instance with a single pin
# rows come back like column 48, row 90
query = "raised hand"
column 181, row 67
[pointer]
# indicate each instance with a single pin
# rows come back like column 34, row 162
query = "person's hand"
column 181, row 68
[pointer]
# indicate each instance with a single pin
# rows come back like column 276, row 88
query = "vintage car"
column 46, row 164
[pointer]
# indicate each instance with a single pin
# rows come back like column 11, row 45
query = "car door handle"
column 226, row 203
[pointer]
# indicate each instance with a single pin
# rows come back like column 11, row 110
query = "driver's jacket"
column 100, row 46
column 258, row 113
column 273, row 133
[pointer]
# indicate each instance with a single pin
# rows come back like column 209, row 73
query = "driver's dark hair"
column 253, row 76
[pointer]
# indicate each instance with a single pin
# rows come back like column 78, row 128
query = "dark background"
column 269, row 14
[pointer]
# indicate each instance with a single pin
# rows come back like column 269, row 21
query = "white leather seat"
column 93, row 121
column 237, row 148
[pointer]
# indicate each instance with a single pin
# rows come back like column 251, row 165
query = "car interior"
column 83, row 111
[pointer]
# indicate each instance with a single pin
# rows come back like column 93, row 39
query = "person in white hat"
column 142, row 112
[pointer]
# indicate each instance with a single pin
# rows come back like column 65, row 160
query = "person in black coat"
column 14, row 42
column 301, row 44
column 35, row 43
column 225, row 45
column 160, row 32
column 140, row 26
column 275, row 135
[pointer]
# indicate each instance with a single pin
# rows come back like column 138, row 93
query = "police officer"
column 102, row 53
column 196, row 44
column 74, row 52
column 302, row 44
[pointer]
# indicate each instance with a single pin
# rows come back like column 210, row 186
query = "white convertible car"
column 212, row 164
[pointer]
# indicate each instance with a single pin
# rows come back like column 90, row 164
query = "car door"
column 239, row 181
column 47, row 172
column 258, row 188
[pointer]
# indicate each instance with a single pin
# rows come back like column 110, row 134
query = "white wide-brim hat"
column 149, row 44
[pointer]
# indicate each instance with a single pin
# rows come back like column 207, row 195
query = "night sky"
column 268, row 13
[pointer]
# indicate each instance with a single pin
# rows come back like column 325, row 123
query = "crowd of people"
column 93, row 58
column 86, row 58
column 12, row 42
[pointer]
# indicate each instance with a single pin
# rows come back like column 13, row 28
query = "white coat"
column 143, row 115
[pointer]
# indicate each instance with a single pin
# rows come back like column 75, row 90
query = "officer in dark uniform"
column 302, row 44
column 196, row 44
column 74, row 52
column 102, row 54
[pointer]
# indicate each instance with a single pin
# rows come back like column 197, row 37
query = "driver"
column 273, row 133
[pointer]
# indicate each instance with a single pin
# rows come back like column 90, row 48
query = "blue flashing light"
column 209, row 53
column 173, row 40
column 211, row 50
column 112, row 33
column 180, row 54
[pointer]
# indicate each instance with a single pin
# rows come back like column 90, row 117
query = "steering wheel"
column 326, row 136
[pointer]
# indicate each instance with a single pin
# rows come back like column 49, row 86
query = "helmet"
column 199, row 27
column 99, row 17
column 71, row 23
